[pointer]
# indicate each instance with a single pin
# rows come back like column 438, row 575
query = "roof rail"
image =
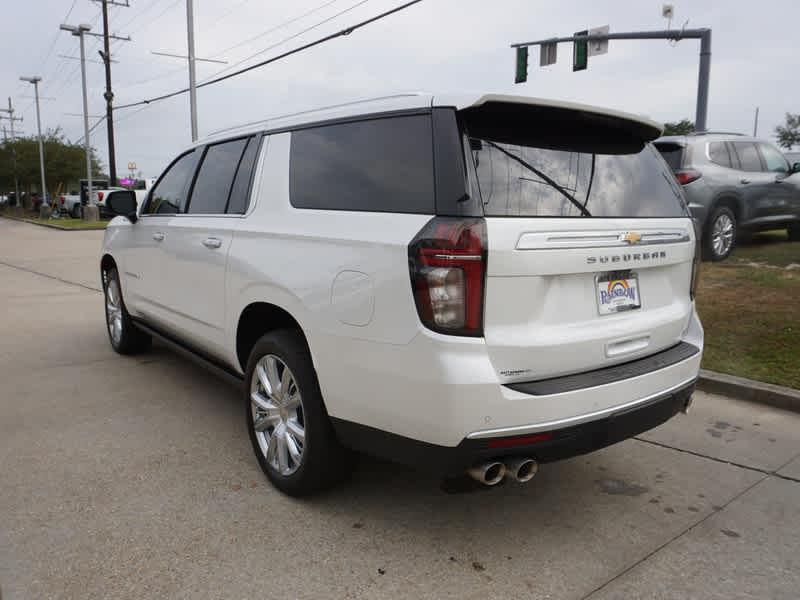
column 717, row 133
column 310, row 111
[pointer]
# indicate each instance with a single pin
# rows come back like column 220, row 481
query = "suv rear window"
column 380, row 165
column 672, row 153
column 530, row 181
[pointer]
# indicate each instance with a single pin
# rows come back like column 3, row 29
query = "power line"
column 341, row 33
column 279, row 26
column 291, row 37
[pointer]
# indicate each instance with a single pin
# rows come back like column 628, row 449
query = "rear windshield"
column 530, row 181
column 672, row 153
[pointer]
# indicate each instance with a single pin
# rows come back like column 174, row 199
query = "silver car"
column 734, row 185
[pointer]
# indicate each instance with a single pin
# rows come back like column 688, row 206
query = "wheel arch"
column 729, row 200
column 257, row 319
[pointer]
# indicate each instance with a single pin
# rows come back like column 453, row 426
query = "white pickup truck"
column 70, row 204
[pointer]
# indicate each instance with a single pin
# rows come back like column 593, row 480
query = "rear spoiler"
column 557, row 125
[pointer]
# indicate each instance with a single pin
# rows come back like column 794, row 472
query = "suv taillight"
column 447, row 260
column 687, row 176
column 99, row 196
column 695, row 261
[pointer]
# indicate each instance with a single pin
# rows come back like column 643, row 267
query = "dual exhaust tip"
column 520, row 469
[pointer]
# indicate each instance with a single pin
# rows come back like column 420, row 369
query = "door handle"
column 744, row 181
column 212, row 243
column 158, row 236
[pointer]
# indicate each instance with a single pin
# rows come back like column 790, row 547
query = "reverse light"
column 687, row 176
column 447, row 263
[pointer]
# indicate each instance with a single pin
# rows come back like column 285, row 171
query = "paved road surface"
column 134, row 478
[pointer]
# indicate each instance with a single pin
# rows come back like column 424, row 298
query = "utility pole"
column 79, row 31
column 12, row 118
column 192, row 77
column 109, row 95
column 755, row 124
column 35, row 81
column 704, row 35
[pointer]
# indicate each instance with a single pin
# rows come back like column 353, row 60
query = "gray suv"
column 734, row 185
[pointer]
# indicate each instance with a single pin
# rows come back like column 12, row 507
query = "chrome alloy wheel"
column 114, row 310
column 722, row 235
column 278, row 418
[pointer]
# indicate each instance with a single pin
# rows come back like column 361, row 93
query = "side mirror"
column 795, row 168
column 123, row 203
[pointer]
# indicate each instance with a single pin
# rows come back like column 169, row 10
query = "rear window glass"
column 529, row 181
column 381, row 165
column 672, row 153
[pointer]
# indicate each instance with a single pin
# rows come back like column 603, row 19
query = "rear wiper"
column 552, row 183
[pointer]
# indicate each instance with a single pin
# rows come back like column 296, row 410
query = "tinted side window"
column 774, row 159
column 240, row 193
column 672, row 153
column 718, row 153
column 169, row 194
column 215, row 177
column 748, row 156
column 383, row 165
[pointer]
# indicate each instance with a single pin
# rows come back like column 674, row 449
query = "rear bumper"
column 544, row 446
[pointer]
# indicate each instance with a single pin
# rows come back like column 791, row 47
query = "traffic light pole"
column 704, row 35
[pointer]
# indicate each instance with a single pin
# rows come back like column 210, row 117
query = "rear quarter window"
column 672, row 153
column 376, row 165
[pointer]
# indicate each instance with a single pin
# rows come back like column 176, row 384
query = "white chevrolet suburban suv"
column 465, row 284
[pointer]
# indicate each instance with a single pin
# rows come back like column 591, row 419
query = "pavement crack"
column 723, row 461
column 67, row 281
column 628, row 569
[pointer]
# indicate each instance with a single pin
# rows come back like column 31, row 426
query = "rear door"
column 782, row 193
column 755, row 183
column 198, row 241
column 590, row 250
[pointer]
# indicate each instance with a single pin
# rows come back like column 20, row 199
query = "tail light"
column 695, row 260
column 687, row 176
column 99, row 196
column 62, row 199
column 447, row 261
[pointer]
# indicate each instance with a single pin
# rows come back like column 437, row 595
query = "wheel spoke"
column 261, row 373
column 293, row 401
column 265, row 404
column 282, row 449
column 267, row 420
column 291, row 446
column 297, row 430
column 272, row 447
column 274, row 378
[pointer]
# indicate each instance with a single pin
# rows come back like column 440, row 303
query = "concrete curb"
column 747, row 389
column 51, row 225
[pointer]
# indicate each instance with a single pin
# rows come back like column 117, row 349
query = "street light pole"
column 78, row 31
column 35, row 81
column 192, row 77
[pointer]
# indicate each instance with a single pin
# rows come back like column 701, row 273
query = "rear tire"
column 289, row 427
column 76, row 211
column 720, row 234
column 794, row 232
column 124, row 336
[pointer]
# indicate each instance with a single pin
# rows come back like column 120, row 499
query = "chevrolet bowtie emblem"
column 631, row 237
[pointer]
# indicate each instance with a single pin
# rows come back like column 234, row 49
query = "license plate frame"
column 622, row 291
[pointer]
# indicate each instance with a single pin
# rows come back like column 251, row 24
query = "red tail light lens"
column 99, row 196
column 447, row 261
column 687, row 176
column 62, row 199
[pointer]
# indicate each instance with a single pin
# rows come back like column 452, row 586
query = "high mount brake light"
column 687, row 176
column 447, row 262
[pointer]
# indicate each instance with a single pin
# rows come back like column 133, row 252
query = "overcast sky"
column 437, row 45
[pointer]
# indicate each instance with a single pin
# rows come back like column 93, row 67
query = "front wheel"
column 289, row 428
column 125, row 338
column 720, row 235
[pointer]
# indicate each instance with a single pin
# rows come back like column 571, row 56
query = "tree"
column 788, row 134
column 64, row 162
column 682, row 127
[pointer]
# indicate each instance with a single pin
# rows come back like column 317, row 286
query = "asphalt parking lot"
column 134, row 478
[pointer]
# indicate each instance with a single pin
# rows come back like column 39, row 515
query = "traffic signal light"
column 580, row 51
column 522, row 65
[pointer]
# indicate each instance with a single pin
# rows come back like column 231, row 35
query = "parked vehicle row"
column 468, row 284
column 735, row 185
